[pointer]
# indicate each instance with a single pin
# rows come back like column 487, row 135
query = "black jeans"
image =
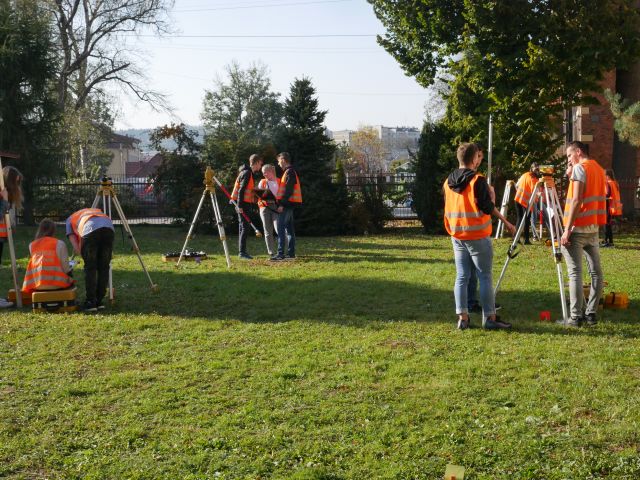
column 96, row 252
column 243, row 231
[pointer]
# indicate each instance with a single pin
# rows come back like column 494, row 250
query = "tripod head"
column 106, row 181
column 547, row 170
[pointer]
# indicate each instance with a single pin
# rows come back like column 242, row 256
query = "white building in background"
column 124, row 150
column 397, row 141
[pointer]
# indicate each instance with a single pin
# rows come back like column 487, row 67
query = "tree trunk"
column 625, row 156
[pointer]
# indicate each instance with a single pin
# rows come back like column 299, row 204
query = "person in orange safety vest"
column 245, row 196
column 288, row 197
column 48, row 267
column 469, row 205
column 584, row 213
column 525, row 188
column 614, row 206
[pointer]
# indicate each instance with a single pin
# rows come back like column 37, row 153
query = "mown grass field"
column 343, row 365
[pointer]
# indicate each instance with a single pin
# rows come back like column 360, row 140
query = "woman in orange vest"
column 13, row 186
column 48, row 267
column 614, row 206
column 268, row 188
column 244, row 195
column 469, row 204
column 524, row 190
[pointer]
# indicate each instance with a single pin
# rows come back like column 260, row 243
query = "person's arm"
column 63, row 255
column 74, row 243
column 574, row 208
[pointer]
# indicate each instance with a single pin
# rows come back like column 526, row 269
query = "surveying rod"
column 12, row 251
column 235, row 204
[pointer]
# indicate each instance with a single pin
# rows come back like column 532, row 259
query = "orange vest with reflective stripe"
column 524, row 188
column 45, row 267
column 296, row 197
column 264, row 185
column 249, row 194
column 615, row 205
column 81, row 217
column 593, row 210
column 462, row 217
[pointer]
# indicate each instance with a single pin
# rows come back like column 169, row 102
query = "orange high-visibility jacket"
column 80, row 218
column 44, row 271
column 524, row 188
column 296, row 197
column 593, row 210
column 249, row 193
column 263, row 201
column 462, row 217
column 615, row 205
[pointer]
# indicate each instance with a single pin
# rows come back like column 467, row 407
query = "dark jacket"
column 288, row 188
column 244, row 175
column 458, row 181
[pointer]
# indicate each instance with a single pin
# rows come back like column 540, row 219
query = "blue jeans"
column 286, row 233
column 470, row 255
column 472, row 289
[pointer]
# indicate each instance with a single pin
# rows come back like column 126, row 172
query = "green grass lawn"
column 343, row 365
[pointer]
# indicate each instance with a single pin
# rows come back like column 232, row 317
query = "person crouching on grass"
column 469, row 204
column 91, row 234
column 48, row 267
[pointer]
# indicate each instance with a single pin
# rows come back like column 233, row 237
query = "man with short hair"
column 584, row 212
column 244, row 195
column 469, row 204
column 288, row 197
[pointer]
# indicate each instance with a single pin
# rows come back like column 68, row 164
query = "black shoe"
column 496, row 324
column 573, row 322
column 89, row 307
column 464, row 324
column 100, row 306
column 527, row 242
column 290, row 257
column 590, row 319
column 245, row 256
column 277, row 258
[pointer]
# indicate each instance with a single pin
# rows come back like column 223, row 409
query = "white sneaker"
column 5, row 303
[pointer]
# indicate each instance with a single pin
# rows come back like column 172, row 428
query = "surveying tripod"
column 504, row 207
column 554, row 215
column 108, row 195
column 209, row 188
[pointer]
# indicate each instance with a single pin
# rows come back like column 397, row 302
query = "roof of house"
column 144, row 169
column 116, row 140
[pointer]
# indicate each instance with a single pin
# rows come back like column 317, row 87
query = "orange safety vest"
column 45, row 268
column 249, row 194
column 264, row 185
column 615, row 205
column 462, row 217
column 80, row 218
column 524, row 188
column 296, row 197
column 593, row 210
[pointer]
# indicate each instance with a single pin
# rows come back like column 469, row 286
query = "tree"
column 431, row 167
column 303, row 136
column 369, row 152
column 240, row 117
column 627, row 117
column 29, row 116
column 525, row 61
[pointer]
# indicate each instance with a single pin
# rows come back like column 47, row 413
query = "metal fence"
column 396, row 188
column 57, row 199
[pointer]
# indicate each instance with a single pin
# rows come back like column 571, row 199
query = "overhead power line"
column 329, row 35
column 238, row 7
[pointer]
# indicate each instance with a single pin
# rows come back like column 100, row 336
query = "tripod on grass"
column 554, row 215
column 107, row 193
column 209, row 189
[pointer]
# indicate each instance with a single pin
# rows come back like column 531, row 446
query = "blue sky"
column 356, row 80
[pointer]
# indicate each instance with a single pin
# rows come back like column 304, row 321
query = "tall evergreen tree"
column 28, row 109
column 431, row 165
column 303, row 136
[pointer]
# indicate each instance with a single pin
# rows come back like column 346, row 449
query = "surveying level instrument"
column 109, row 197
column 554, row 216
column 209, row 188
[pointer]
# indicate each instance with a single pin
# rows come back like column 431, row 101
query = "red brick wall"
column 599, row 124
